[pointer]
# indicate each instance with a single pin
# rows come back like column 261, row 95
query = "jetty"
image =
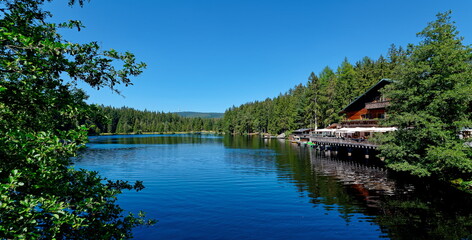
column 340, row 142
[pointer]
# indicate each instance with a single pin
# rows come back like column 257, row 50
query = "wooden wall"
column 356, row 115
column 374, row 113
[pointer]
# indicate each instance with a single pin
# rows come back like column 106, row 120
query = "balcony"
column 361, row 123
column 377, row 105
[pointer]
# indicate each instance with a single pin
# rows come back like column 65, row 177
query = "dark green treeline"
column 129, row 120
column 317, row 102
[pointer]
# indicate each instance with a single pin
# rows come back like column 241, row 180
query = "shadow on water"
column 127, row 147
column 156, row 139
column 404, row 207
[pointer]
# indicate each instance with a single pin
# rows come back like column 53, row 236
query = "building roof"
column 367, row 96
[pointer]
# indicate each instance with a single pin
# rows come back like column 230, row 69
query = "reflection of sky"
column 251, row 161
column 209, row 191
column 116, row 146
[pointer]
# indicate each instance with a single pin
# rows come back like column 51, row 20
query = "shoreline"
column 159, row 133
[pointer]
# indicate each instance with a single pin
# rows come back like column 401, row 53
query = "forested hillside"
column 129, row 120
column 315, row 103
column 199, row 114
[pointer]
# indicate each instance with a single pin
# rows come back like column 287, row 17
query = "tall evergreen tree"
column 347, row 87
column 365, row 74
column 327, row 106
column 41, row 196
column 431, row 104
column 311, row 118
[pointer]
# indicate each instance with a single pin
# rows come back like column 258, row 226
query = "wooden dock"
column 333, row 145
column 339, row 142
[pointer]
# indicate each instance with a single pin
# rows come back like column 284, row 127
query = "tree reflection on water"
column 404, row 207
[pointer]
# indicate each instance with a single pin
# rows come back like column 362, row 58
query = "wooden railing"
column 340, row 140
column 377, row 105
column 361, row 123
column 352, row 141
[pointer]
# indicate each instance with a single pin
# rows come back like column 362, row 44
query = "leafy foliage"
column 41, row 195
column 431, row 104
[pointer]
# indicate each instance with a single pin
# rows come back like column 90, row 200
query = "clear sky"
column 208, row 55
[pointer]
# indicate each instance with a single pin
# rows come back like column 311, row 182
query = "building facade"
column 368, row 109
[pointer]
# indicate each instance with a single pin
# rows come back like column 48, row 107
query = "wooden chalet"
column 367, row 109
column 361, row 121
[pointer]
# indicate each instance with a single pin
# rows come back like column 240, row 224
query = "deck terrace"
column 346, row 142
column 361, row 123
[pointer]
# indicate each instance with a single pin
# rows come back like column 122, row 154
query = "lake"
column 227, row 187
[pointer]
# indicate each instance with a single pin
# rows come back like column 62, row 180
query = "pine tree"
column 346, row 87
column 328, row 108
column 431, row 103
column 311, row 118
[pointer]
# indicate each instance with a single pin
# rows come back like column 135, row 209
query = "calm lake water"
column 215, row 187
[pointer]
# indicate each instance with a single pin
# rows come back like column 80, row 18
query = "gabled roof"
column 368, row 96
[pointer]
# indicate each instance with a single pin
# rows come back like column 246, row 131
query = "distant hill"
column 200, row 115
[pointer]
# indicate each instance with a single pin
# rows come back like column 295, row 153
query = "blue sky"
column 210, row 55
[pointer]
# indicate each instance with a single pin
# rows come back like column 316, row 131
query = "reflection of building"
column 367, row 109
column 361, row 177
